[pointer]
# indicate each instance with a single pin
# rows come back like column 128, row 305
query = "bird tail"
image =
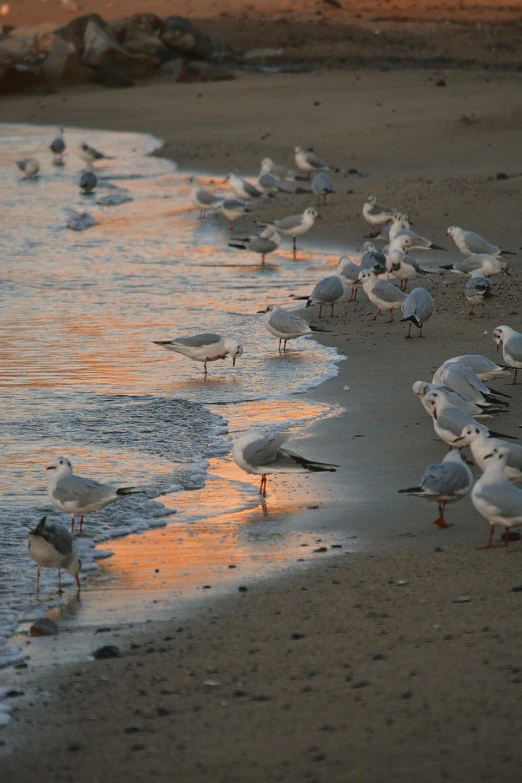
column 316, row 329
column 437, row 247
column 238, row 245
column 500, row 435
column 507, row 253
column 410, row 490
column 413, row 320
column 126, row 491
column 448, row 267
column 499, row 394
column 314, row 467
column 162, row 342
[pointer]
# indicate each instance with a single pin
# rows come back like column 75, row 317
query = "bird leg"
column 38, row 580
column 280, row 341
column 378, row 314
column 78, row 582
column 408, row 336
column 471, row 312
column 72, row 524
column 490, row 539
column 321, row 315
column 390, row 320
column 263, row 256
column 506, row 537
column 515, row 378
column 483, row 309
column 262, row 488
column 60, row 591
column 294, row 245
column 420, row 335
column 205, row 368
column 440, row 521
column 331, row 310
column 81, row 524
column 284, row 347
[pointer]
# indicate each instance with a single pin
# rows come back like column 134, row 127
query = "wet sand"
column 443, row 702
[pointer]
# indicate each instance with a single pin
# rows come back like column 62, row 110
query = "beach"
column 339, row 672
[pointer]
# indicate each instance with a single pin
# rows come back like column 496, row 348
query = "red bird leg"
column 321, row 315
column 440, row 521
column 294, row 244
column 420, row 335
column 490, row 539
column 471, row 312
column 263, row 255
column 331, row 310
column 72, row 524
column 506, row 537
column 81, row 524
column 408, row 336
column 60, row 591
column 38, row 580
column 515, row 378
column 378, row 314
column 390, row 320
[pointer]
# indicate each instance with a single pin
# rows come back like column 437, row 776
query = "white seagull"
column 260, row 453
column 280, row 173
column 446, row 482
column 482, row 446
column 286, row 325
column 469, row 243
column 79, row 496
column 481, row 366
column 476, row 291
column 29, row 166
column 328, row 291
column 295, row 225
column 422, row 389
column 306, row 161
column 90, row 155
column 449, row 421
column 483, row 264
column 207, row 347
column 242, row 189
column 349, row 274
column 417, row 308
column 381, row 293
column 202, row 199
column 511, row 342
column 377, row 215
column 464, row 380
column 51, row 546
column 322, row 185
column 57, row 147
column 233, row 209
column 262, row 244
column 495, row 498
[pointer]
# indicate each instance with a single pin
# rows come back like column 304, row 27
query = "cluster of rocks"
column 89, row 49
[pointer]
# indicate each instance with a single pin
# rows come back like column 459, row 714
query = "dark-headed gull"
column 29, row 166
column 470, row 244
column 207, row 347
column 422, row 389
column 307, row 161
column 377, row 215
column 328, row 291
column 57, row 147
column 511, row 342
column 483, row 264
column 233, row 209
column 322, row 185
column 495, row 498
column 449, row 421
column 286, row 325
column 417, row 308
column 51, row 546
column 482, row 445
column 295, row 225
column 476, row 291
column 263, row 244
column 373, row 259
column 381, row 293
column 79, row 496
column 90, row 155
column 446, row 482
column 202, row 199
column 260, row 453
column 88, row 180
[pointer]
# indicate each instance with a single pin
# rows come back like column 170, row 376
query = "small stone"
column 337, row 546
column 103, row 630
column 448, row 637
column 312, row 508
column 321, row 549
column 260, row 697
column 12, row 694
column 107, row 651
column 243, row 589
column 360, row 684
column 207, row 587
column 74, row 746
column 163, row 711
column 402, row 582
column 232, row 566
column 132, row 729
column 44, row 627
column 463, row 599
column 378, row 657
column 406, row 694
column 517, row 589
column 317, row 103
column 297, row 635
column 502, row 175
column 318, row 757
column 440, row 83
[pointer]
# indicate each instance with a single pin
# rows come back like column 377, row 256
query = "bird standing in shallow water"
column 51, row 546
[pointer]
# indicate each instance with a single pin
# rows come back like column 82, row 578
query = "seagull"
column 483, row 264
column 422, row 389
column 242, row 189
column 29, row 166
column 477, row 290
column 286, row 326
column 377, row 214
column 280, row 173
column 464, row 380
column 401, row 227
column 76, row 495
column 263, row 244
column 373, row 259
column 204, row 348
column 80, row 221
column 349, row 274
column 469, row 243
column 481, row 366
column 268, row 184
column 417, row 308
column 260, row 453
column 306, row 161
column 88, row 180
column 328, row 291
column 51, row 546
column 402, row 266
column 233, row 209
column 89, row 154
column 202, row 199
column 57, row 147
column 446, row 482
column 295, row 225
column 381, row 293
column 449, row 421
column 511, row 343
column 482, row 446
column 495, row 498
column 322, row 186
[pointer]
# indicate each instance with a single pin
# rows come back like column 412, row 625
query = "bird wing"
column 264, row 451
column 75, row 489
column 330, row 289
column 287, row 223
column 454, row 419
column 388, row 292
column 198, row 340
column 506, row 498
column 477, row 244
column 207, row 198
column 446, row 479
column 56, row 535
column 288, row 322
column 380, row 209
column 513, row 347
column 251, row 189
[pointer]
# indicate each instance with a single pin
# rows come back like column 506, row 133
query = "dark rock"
column 143, row 25
column 378, row 657
column 207, row 587
column 243, row 589
column 44, row 627
column 360, row 684
column 14, row 78
column 260, row 697
column 147, row 44
column 501, row 175
column 321, row 549
column 62, row 66
column 75, row 30
column 463, row 599
column 12, row 694
column 297, row 635
column 112, row 76
column 517, row 589
column 132, row 729
column 105, row 629
column 406, row 694
column 440, row 83
column 102, row 50
column 182, row 36
column 107, row 651
column 318, row 757
column 74, row 746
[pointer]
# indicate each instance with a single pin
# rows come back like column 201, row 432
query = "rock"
column 143, row 25
column 146, row 44
column 297, row 635
column 75, row 30
column 181, row 36
column 107, row 651
column 440, row 83
column 44, row 627
column 517, row 589
column 113, row 76
column 62, row 66
column 360, row 684
column 463, row 599
column 81, row 221
column 102, row 50
column 40, row 38
column 502, row 175
column 17, row 51
column 243, row 589
column 206, row 72
column 173, row 68
column 262, row 54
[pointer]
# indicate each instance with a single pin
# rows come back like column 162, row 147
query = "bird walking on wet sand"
column 322, row 185
column 51, row 546
column 233, row 209
column 470, row 244
column 29, row 166
column 477, row 290
column 88, row 180
column 496, row 499
column 377, row 215
column 443, row 483
column 202, row 199
column 417, row 308
column 261, row 453
column 79, row 496
column 483, row 446
column 349, row 274
column 373, row 259
column 286, row 325
column 263, row 244
column 511, row 343
column 307, row 161
column 242, row 189
column 57, row 147
column 328, row 291
column 90, row 155
column 207, row 347
column 381, row 293
column 295, row 225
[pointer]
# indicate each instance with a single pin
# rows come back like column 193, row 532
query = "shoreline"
column 362, row 677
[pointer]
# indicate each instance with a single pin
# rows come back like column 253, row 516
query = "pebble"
column 440, row 83
column 243, row 589
column 321, row 549
column 402, row 582
column 44, row 627
column 132, row 729
column 378, row 657
column 107, row 651
column 360, row 684
column 463, row 599
column 297, row 635
column 517, row 589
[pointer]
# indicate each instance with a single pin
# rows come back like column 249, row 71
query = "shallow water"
column 80, row 375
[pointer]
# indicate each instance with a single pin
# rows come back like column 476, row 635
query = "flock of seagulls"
column 456, row 398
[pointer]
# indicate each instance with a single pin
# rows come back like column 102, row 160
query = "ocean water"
column 80, row 376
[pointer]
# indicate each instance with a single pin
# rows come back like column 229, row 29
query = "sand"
column 443, row 703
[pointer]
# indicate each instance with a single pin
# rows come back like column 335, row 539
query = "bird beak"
column 435, row 414
column 51, row 467
column 508, row 273
column 319, row 217
column 233, row 361
column 488, row 456
column 261, row 311
column 498, row 345
column 458, row 439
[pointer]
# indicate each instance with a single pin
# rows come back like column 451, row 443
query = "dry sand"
column 443, row 703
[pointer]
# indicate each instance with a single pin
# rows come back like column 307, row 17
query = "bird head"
column 61, row 465
column 470, row 433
